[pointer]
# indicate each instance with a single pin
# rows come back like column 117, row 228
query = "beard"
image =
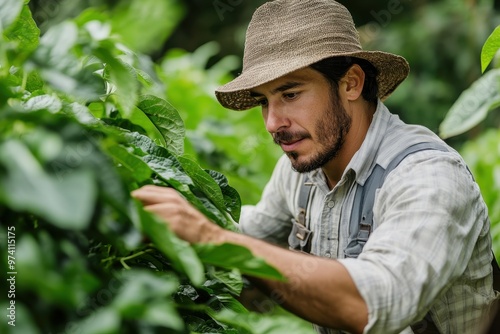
column 331, row 131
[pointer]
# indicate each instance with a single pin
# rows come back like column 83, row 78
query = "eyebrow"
column 286, row 86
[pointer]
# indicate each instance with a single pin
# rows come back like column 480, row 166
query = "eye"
column 290, row 96
column 262, row 102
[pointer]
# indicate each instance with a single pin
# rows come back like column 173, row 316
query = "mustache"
column 289, row 137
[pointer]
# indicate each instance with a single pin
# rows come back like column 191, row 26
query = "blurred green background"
column 193, row 46
column 197, row 45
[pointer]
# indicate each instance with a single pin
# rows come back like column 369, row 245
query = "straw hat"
column 287, row 35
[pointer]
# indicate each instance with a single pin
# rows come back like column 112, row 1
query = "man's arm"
column 317, row 289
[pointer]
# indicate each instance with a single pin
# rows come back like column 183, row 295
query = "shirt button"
column 328, row 254
column 331, row 204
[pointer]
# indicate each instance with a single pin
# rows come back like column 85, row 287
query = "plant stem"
column 123, row 259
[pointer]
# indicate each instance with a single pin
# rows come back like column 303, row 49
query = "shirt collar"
column 364, row 159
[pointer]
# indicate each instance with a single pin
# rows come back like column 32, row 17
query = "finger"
column 154, row 194
column 162, row 209
column 149, row 189
column 150, row 199
column 172, row 214
column 184, row 222
column 155, row 188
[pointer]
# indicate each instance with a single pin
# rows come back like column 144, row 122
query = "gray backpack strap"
column 300, row 236
column 361, row 223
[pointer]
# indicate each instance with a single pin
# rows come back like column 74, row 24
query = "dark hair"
column 334, row 68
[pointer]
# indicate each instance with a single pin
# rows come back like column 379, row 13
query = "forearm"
column 317, row 289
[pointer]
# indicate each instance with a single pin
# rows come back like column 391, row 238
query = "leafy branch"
column 81, row 126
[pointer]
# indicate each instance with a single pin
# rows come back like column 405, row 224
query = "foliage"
column 482, row 154
column 81, row 125
column 144, row 25
column 490, row 48
column 235, row 143
column 473, row 105
column 441, row 40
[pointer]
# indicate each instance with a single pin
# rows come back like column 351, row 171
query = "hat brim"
column 392, row 70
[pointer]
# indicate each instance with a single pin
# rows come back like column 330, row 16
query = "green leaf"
column 44, row 145
column 80, row 112
column 255, row 323
column 145, row 79
column 169, row 169
column 229, row 302
column 104, row 320
column 67, row 201
column 140, row 287
column 203, row 181
column 145, row 24
column 58, row 41
column 232, row 199
column 43, row 102
column 473, row 105
column 5, row 92
column 139, row 118
column 490, row 49
column 230, row 278
column 26, row 35
column 91, row 14
column 182, row 255
column 122, row 76
column 163, row 313
column 166, row 119
column 231, row 256
column 9, row 11
column 27, row 326
column 135, row 167
column 60, row 67
column 66, row 282
column 34, row 82
column 97, row 109
column 202, row 203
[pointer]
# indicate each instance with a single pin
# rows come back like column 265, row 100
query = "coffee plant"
column 83, row 122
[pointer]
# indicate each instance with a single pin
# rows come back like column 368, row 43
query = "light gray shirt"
column 431, row 247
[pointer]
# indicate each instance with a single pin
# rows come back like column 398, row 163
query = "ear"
column 353, row 82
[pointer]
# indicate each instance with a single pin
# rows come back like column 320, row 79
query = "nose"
column 275, row 118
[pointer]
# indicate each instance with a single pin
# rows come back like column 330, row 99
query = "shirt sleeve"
column 270, row 218
column 430, row 218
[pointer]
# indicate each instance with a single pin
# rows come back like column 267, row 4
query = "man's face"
column 305, row 117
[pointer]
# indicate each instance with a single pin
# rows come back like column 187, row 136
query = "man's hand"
column 184, row 220
column 304, row 292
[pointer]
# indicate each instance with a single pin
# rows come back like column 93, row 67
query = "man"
column 429, row 250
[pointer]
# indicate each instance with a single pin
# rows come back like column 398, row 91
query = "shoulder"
column 400, row 136
column 432, row 177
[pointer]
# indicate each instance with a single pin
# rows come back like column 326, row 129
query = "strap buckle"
column 364, row 232
column 300, row 237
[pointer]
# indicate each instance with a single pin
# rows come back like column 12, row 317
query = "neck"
column 361, row 113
